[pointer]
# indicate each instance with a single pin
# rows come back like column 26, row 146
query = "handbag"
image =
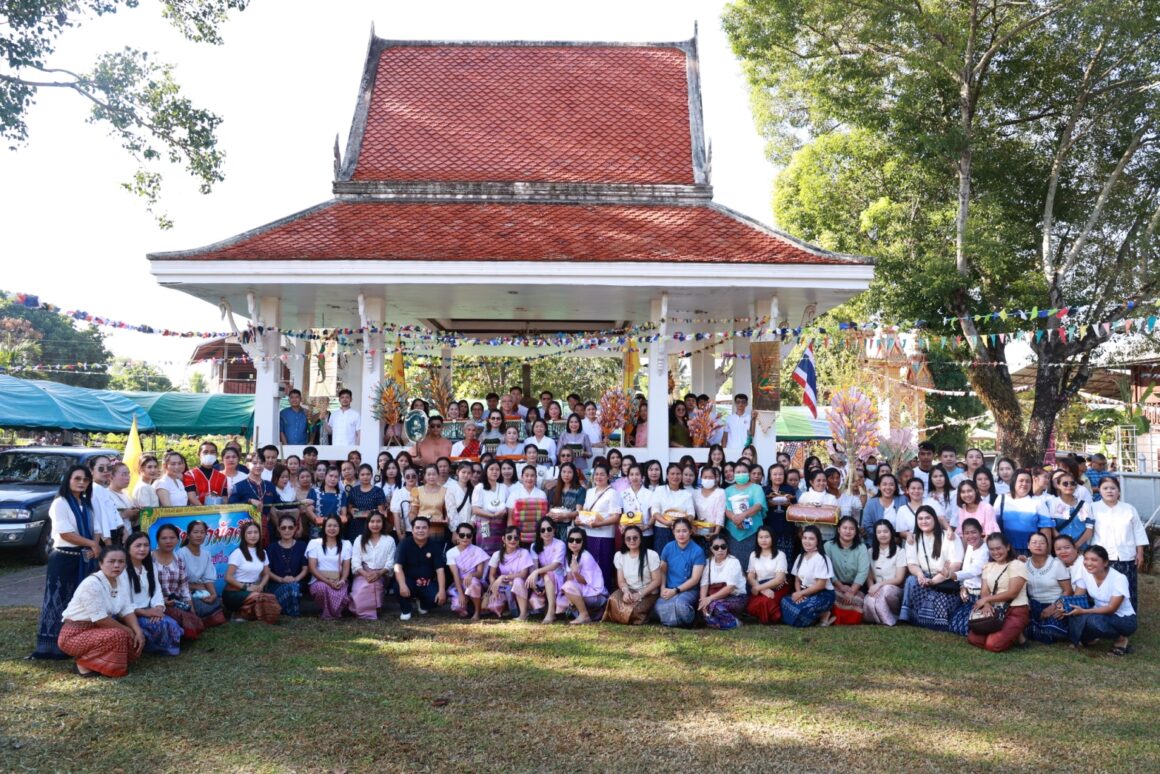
column 948, row 586
column 989, row 621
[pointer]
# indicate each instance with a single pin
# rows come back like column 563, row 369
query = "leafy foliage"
column 474, row 377
column 57, row 342
column 139, row 377
column 988, row 156
column 131, row 93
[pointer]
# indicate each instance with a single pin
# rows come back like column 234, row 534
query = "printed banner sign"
column 766, row 375
column 224, row 534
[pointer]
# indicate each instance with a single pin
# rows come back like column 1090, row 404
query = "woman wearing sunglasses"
column 546, row 580
column 638, row 580
column 583, row 594
column 508, row 572
column 722, row 587
column 468, row 565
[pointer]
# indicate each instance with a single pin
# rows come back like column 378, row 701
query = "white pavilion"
column 491, row 189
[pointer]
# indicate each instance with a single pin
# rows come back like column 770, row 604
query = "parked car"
column 29, row 479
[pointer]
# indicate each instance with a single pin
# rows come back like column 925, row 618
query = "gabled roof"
column 530, row 112
column 480, row 231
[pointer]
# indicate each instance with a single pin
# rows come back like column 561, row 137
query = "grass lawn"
column 436, row 695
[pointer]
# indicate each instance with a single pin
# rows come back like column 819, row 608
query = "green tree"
column 474, row 377
column 989, row 155
column 138, row 377
column 60, row 344
column 131, row 93
column 197, row 382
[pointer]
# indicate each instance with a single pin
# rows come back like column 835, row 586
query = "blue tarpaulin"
column 30, row 403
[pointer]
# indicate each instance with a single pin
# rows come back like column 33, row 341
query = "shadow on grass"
column 441, row 695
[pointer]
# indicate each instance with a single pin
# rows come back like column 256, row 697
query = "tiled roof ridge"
column 370, row 156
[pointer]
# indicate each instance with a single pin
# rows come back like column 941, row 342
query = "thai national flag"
column 806, row 374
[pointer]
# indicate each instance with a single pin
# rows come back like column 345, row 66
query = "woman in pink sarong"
column 372, row 558
column 583, row 594
column 329, row 560
column 468, row 565
column 546, row 580
column 507, row 576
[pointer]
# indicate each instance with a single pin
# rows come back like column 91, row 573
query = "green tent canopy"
column 32, row 403
column 795, row 423
column 185, row 413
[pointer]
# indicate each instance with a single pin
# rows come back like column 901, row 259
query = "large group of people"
column 550, row 527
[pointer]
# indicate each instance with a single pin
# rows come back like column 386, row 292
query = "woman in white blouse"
column 329, row 559
column 372, row 558
column 766, row 575
column 970, row 573
column 1119, row 530
column 489, row 509
column 247, row 573
column 638, row 580
column 162, row 633
column 145, row 496
column 930, row 596
column 904, row 517
column 1112, row 615
column 1048, row 582
column 816, row 494
column 888, row 571
column 813, row 595
column 722, row 587
column 100, row 629
column 601, row 531
column 672, row 499
column 171, row 486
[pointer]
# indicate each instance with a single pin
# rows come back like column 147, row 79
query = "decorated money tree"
column 389, row 406
column 613, row 412
column 899, row 447
column 854, row 426
column 702, row 423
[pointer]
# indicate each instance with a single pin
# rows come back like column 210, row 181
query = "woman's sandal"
column 1118, row 650
column 76, row 670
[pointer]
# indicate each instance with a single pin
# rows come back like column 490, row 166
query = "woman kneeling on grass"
column 372, row 558
column 1112, row 616
column 931, row 595
column 682, row 564
column 546, row 580
column 583, row 594
column 468, row 565
column 287, row 557
column 767, row 574
column 813, row 595
column 508, row 571
column 162, row 633
column 1004, row 583
column 100, row 629
column 722, row 587
column 170, row 571
column 246, row 577
column 329, row 560
column 887, row 574
column 638, row 580
column 851, row 563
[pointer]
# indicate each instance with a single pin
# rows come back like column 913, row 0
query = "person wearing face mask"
column 709, row 507
column 210, row 485
column 745, row 508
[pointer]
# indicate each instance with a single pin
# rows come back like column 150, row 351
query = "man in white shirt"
column 738, row 424
column 925, row 463
column 269, row 457
column 344, row 424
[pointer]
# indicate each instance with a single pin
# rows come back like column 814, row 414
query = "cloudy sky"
column 285, row 83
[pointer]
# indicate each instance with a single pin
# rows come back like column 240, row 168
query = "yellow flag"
column 133, row 457
column 397, row 372
column 631, row 364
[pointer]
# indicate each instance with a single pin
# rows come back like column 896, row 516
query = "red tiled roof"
column 595, row 114
column 383, row 230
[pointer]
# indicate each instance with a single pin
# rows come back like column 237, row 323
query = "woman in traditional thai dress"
column 99, row 627
column 372, row 559
column 468, row 565
column 508, row 571
column 329, row 560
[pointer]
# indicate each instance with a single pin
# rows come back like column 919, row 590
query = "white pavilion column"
column 704, row 372
column 372, row 310
column 299, row 366
column 658, row 383
column 765, row 441
column 264, row 313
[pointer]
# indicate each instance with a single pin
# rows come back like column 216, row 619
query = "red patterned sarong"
column 107, row 651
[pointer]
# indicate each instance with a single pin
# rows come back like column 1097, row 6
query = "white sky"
column 285, row 83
